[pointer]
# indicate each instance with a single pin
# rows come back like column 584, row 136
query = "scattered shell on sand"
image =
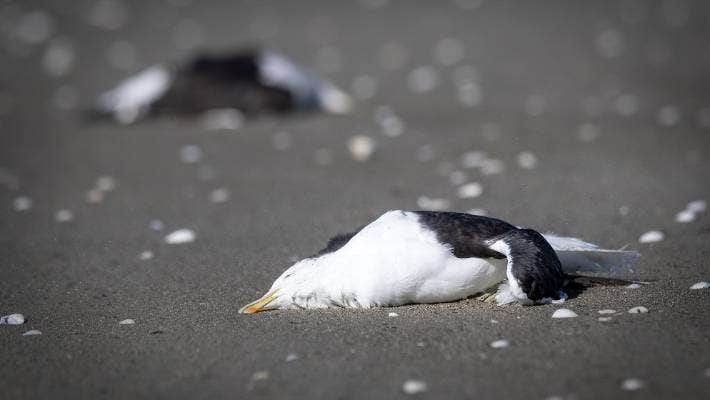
column 413, row 386
column 180, row 236
column 12, row 319
column 633, row 384
column 527, row 160
column 633, row 286
column 470, row 190
column 697, row 206
column 651, row 237
column 500, row 344
column 700, row 285
column 607, row 311
column 604, row 319
column 127, row 322
column 156, row 225
column 638, row 310
column 260, row 375
column 361, row 147
column 32, row 332
column 292, row 357
column 63, row 215
column 22, row 203
column 106, row 183
column 146, row 255
column 685, row 216
column 191, row 154
column 219, row 195
column 94, row 196
column 564, row 313
column 393, row 314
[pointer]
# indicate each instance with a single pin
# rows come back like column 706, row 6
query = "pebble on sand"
column 500, row 344
column 412, row 386
column 633, row 384
column 12, row 319
column 564, row 313
column 700, row 285
column 127, row 322
column 651, row 237
column 607, row 311
column 32, row 332
column 180, row 236
column 638, row 310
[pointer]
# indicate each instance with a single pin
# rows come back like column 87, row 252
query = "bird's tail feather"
column 581, row 258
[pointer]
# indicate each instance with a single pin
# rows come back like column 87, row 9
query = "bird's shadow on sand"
column 578, row 284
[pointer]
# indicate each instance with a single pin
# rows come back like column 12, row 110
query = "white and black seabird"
column 249, row 80
column 406, row 257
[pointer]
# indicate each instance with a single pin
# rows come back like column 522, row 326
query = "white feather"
column 578, row 256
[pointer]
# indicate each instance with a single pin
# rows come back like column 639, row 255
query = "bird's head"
column 295, row 280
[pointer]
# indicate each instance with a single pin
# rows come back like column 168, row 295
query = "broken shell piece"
column 12, row 319
column 638, row 310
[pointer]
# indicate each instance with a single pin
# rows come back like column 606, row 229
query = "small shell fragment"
column 260, row 376
column 500, row 344
column 146, row 255
column 32, row 332
column 697, row 206
column 127, row 322
column 633, row 384
column 651, row 237
column 393, row 314
column 470, row 190
column 685, row 216
column 361, row 147
column 700, row 285
column 12, row 319
column 22, row 203
column 604, row 319
column 633, row 286
column 180, row 236
column 412, row 386
column 607, row 311
column 292, row 357
column 63, row 215
column 638, row 310
column 564, row 313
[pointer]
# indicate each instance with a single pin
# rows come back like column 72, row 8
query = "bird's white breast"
column 395, row 260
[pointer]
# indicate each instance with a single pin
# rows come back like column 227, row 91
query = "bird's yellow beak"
column 259, row 305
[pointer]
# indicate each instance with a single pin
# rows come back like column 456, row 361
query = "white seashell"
column 638, row 310
column 180, row 236
column 564, row 313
